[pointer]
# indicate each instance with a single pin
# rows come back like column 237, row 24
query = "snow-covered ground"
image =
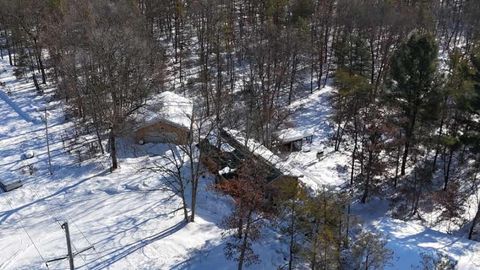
column 128, row 216
column 409, row 240
column 131, row 220
column 311, row 114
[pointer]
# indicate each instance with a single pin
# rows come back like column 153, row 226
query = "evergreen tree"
column 369, row 252
column 412, row 88
column 292, row 205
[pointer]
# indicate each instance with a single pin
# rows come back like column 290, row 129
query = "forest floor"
column 131, row 219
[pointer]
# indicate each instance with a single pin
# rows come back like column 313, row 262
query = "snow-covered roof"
column 9, row 180
column 293, row 134
column 165, row 107
column 226, row 170
column 260, row 150
column 254, row 147
column 225, row 147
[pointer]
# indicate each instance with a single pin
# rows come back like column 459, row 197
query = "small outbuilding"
column 9, row 181
column 292, row 139
column 165, row 118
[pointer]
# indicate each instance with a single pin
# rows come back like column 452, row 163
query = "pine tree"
column 412, row 89
column 292, row 203
column 323, row 230
column 369, row 252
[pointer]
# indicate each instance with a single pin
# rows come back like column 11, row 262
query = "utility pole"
column 69, row 246
column 70, row 255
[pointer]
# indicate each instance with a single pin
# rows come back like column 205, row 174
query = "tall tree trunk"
column 184, row 204
column 474, row 222
column 367, row 178
column 405, row 156
column 194, row 176
column 8, row 48
column 355, row 144
column 408, row 141
column 99, row 139
column 38, row 54
column 34, row 77
column 440, row 132
column 292, row 237
column 292, row 77
column 447, row 168
column 243, row 248
column 338, row 136
column 240, row 228
column 397, row 165
column 113, row 150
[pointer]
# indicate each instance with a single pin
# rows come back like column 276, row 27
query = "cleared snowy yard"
column 127, row 215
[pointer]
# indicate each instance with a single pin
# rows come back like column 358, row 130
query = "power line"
column 55, row 219
column 86, row 239
column 61, row 225
column 70, row 255
column 48, row 211
column 77, row 250
column 26, row 232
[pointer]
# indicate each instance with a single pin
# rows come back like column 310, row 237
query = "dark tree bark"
column 475, row 221
column 113, row 150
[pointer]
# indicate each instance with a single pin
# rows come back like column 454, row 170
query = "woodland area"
column 406, row 107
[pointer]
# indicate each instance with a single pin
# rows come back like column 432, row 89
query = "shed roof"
column 165, row 107
column 277, row 165
column 293, row 134
column 9, row 180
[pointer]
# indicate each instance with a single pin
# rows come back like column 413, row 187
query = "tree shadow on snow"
column 122, row 252
column 209, row 256
column 7, row 214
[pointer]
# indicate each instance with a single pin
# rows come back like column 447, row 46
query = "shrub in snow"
column 370, row 252
column 437, row 261
column 28, row 154
column 346, row 259
column 28, row 169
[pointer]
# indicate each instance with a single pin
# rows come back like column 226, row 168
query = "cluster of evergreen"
column 417, row 137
